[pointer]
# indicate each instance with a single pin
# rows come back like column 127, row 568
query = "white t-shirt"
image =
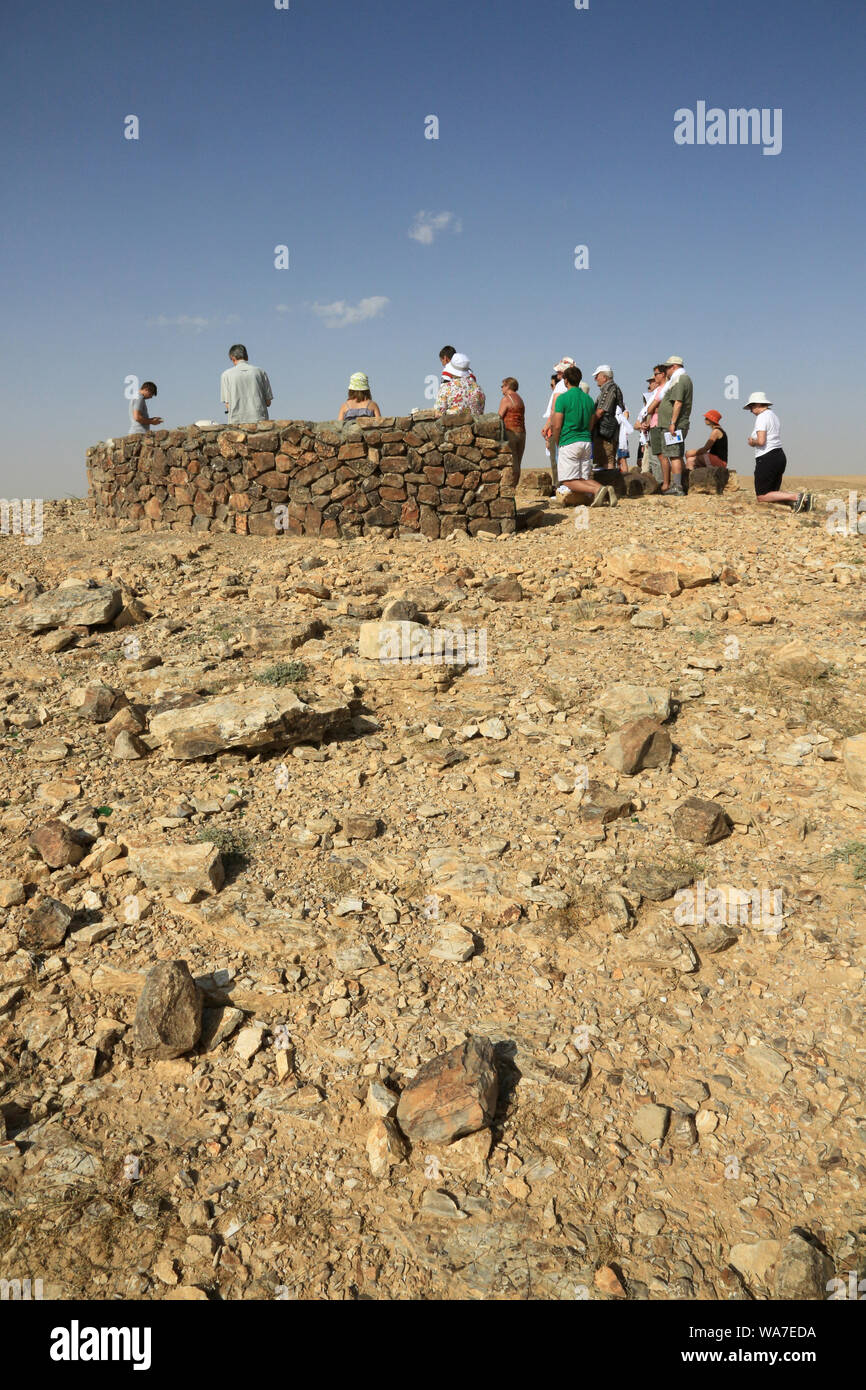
column 768, row 420
column 557, row 391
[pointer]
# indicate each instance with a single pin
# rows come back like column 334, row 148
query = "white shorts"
column 575, row 461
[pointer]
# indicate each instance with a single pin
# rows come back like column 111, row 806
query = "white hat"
column 757, row 398
column 459, row 364
column 608, row 371
column 674, row 362
column 563, row 363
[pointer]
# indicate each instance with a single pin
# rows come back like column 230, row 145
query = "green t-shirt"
column 577, row 409
column 681, row 390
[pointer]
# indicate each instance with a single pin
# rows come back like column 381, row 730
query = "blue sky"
column 306, row 127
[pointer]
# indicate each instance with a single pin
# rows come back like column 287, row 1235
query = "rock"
column 651, row 1122
column 217, row 1024
column 248, row 719
column 386, row 1147
column 661, row 948
column 650, row 1222
column 400, row 640
column 643, row 743
column 702, row 822
column 12, row 892
column 756, row 1259
column 248, row 1042
column 802, row 1271
column 798, row 661
column 381, row 1100
column 57, row 844
column 854, row 758
column 770, row 1065
column 622, row 704
column 659, row 572
column 452, row 1095
column 658, row 882
column 46, row 925
column 603, row 805
column 77, row 606
column 96, row 702
column 353, row 956
column 179, row 868
column 504, row 590
column 49, row 750
column 168, row 1018
column 607, row 1281
column 493, row 728
column 360, row 827
column 398, row 610
column 651, row 618
column 60, row 791
column 128, row 747
column 453, row 943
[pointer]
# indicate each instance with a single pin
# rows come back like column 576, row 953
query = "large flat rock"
column 249, row 719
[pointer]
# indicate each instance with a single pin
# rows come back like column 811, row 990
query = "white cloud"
column 338, row 314
column 178, row 321
column 427, row 225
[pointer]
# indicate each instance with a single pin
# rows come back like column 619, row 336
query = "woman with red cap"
column 714, row 454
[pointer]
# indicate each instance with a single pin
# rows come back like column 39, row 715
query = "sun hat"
column 603, row 368
column 459, row 364
column 358, row 382
column 563, row 363
column 674, row 362
column 712, row 415
column 757, row 398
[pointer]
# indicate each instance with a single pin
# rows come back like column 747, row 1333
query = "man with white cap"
column 770, row 460
column 547, row 428
column 605, row 426
column 674, row 414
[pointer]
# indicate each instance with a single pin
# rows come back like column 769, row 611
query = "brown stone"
column 57, row 844
column 703, row 822
column 46, row 925
column 168, row 1018
column 640, row 744
column 452, row 1095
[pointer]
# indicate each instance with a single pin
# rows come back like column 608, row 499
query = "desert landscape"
column 523, row 964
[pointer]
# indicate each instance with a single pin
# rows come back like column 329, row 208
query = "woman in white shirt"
column 770, row 460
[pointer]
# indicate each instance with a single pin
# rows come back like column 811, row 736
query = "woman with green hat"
column 359, row 405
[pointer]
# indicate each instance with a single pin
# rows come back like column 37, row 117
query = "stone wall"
column 427, row 473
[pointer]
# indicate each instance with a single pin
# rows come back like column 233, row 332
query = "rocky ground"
column 471, row 1005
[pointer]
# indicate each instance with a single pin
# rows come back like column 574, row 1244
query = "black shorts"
column 769, row 470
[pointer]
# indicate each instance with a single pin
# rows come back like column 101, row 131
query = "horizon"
column 282, row 189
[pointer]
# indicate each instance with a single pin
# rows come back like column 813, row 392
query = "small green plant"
column 234, row 845
column 283, row 673
column 853, row 854
column 699, row 636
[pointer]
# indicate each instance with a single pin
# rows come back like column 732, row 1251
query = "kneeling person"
column 714, row 454
column 571, row 420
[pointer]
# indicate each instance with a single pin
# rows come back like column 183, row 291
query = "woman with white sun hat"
column 770, row 460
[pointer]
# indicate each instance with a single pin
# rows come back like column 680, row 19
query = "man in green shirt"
column 674, row 414
column 571, row 420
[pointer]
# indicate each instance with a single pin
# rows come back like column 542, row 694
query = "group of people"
column 583, row 436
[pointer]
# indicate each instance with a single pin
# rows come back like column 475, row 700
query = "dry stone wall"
column 423, row 473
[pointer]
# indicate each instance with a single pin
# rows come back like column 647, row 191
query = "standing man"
column 649, row 417
column 674, row 414
column 139, row 420
column 244, row 390
column 557, row 387
column 605, row 426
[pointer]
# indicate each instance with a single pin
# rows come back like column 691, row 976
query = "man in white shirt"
column 244, row 389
